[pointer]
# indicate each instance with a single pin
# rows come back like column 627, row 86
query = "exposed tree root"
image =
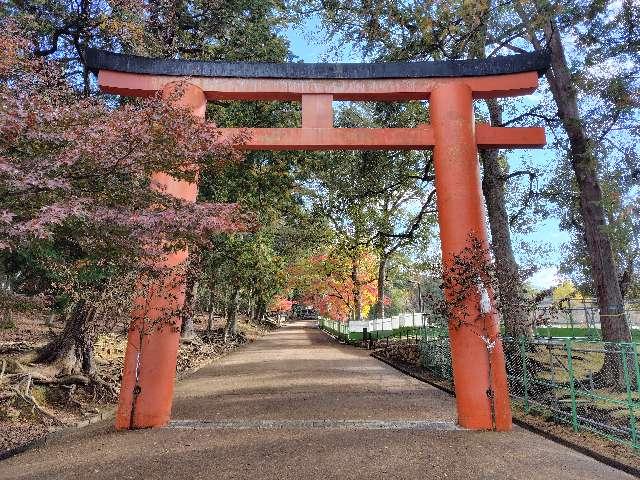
column 104, row 390
column 191, row 340
column 22, row 392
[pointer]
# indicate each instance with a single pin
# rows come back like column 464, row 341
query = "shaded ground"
column 74, row 403
column 248, row 416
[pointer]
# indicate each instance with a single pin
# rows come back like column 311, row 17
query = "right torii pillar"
column 479, row 373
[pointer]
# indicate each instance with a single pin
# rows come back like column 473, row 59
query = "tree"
column 252, row 263
column 75, row 179
column 183, row 29
column 513, row 305
column 602, row 32
column 605, row 32
column 374, row 200
column 63, row 29
column 329, row 282
column 566, row 290
column 620, row 202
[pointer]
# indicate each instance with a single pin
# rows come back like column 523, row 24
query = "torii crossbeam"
column 479, row 372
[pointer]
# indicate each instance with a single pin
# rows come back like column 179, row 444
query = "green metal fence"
column 338, row 329
column 564, row 380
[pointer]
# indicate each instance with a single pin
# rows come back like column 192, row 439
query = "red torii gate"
column 479, row 372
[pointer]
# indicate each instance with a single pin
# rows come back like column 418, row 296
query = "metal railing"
column 578, row 318
column 568, row 320
column 567, row 381
column 334, row 327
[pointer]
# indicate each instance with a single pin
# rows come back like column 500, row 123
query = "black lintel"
column 525, row 62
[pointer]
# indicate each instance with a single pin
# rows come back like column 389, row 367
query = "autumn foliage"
column 76, row 172
column 280, row 304
column 330, row 284
column 64, row 158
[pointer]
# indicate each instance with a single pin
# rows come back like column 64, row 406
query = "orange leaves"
column 332, row 282
column 280, row 304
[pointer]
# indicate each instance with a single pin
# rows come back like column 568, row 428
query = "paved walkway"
column 297, row 405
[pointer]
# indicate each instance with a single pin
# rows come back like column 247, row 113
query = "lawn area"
column 437, row 331
column 581, row 332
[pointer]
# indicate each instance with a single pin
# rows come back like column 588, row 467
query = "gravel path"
column 297, row 405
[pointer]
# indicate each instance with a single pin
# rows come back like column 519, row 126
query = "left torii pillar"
column 148, row 376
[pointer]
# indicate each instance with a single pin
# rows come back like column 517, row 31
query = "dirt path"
column 297, row 405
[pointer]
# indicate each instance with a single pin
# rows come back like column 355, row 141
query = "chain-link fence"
column 588, row 385
column 578, row 318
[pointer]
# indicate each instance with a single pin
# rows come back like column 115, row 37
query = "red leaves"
column 327, row 283
column 64, row 158
column 280, row 304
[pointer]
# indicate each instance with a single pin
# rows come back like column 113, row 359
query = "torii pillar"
column 148, row 376
column 479, row 373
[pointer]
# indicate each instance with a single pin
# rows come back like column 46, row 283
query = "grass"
column 545, row 332
column 577, row 332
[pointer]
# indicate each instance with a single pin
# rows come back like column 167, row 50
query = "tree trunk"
column 187, row 330
column 251, row 307
column 260, row 310
column 510, row 288
column 382, row 272
column 613, row 322
column 231, row 328
column 210, row 310
column 357, row 300
column 72, row 350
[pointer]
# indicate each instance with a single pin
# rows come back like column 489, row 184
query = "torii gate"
column 481, row 387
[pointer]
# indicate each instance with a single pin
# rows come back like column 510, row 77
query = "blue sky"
column 308, row 45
